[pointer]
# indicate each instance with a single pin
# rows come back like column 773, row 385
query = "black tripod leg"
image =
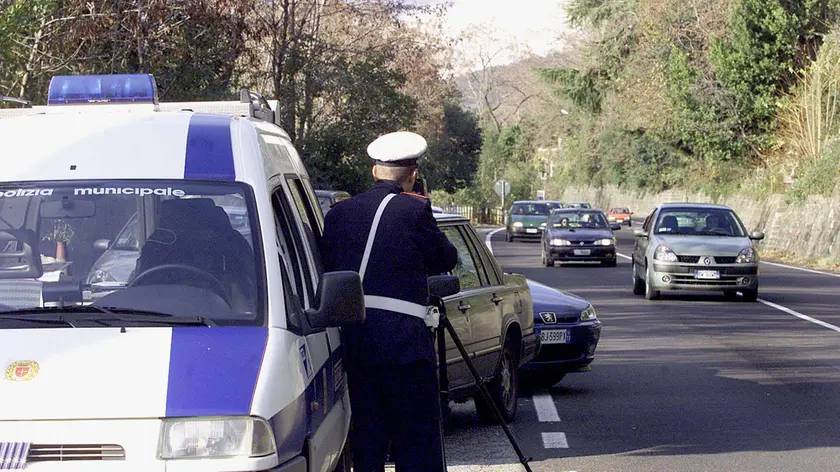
column 444, row 321
column 443, row 383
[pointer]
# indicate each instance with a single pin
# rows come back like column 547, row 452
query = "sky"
column 505, row 29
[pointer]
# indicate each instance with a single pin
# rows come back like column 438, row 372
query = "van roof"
column 109, row 142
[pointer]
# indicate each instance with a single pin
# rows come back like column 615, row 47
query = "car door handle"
column 464, row 307
column 496, row 299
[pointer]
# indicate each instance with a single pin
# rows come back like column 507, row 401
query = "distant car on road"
column 697, row 247
column 553, row 205
column 526, row 219
column 579, row 235
column 577, row 205
column 328, row 198
column 569, row 332
column 620, row 215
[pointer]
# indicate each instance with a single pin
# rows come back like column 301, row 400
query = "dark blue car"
column 569, row 331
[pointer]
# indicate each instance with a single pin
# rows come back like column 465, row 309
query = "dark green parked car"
column 526, row 219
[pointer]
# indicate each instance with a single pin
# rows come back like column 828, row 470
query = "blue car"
column 569, row 331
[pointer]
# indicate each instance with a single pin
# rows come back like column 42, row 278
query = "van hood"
column 529, row 220
column 550, row 299
column 101, row 373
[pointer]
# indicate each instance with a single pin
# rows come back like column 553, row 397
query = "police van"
column 162, row 305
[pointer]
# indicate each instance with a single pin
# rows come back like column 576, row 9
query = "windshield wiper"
column 49, row 320
column 94, row 313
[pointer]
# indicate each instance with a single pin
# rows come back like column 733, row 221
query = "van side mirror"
column 757, row 235
column 341, row 301
column 442, row 286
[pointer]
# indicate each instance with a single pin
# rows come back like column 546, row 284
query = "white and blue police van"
column 162, row 303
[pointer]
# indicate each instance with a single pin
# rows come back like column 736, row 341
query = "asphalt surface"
column 688, row 383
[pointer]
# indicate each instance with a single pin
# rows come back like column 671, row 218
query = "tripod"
column 445, row 324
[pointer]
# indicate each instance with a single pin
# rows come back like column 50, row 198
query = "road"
column 688, row 383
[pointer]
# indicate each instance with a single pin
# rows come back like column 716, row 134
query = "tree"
column 453, row 158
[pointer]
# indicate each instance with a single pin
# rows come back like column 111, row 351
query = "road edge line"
column 488, row 239
column 801, row 269
column 798, row 315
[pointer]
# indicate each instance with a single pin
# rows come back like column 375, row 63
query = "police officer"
column 390, row 236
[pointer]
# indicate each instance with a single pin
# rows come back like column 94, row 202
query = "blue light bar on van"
column 89, row 89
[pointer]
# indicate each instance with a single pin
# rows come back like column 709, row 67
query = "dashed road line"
column 546, row 409
column 555, row 441
column 625, row 257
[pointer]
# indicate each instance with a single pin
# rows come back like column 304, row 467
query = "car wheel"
column 638, row 283
column 650, row 292
column 504, row 389
column 547, row 260
column 750, row 295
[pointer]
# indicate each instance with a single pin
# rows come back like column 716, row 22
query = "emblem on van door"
column 707, row 261
column 548, row 318
column 22, row 371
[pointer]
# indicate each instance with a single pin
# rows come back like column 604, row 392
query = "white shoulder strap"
column 372, row 235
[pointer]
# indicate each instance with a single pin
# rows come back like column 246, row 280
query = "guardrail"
column 477, row 215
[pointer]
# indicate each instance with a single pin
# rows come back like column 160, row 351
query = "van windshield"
column 166, row 248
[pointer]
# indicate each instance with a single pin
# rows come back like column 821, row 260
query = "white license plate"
column 582, row 252
column 707, row 275
column 554, row 336
column 531, row 230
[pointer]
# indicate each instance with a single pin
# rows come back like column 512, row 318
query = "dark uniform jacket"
column 408, row 248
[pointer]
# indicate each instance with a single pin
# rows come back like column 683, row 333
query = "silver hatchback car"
column 700, row 247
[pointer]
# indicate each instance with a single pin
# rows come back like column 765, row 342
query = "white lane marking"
column 555, row 441
column 799, row 315
column 487, row 239
column 626, row 257
column 819, row 272
column 546, row 409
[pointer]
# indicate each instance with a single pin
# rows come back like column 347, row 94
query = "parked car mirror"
column 341, row 301
column 640, row 233
column 757, row 235
column 615, row 226
column 444, row 285
column 102, row 244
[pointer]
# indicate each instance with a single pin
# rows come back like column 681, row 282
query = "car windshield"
column 700, row 221
column 577, row 205
column 620, row 211
column 529, row 209
column 578, row 219
column 116, row 243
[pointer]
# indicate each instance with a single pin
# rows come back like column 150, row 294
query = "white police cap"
column 399, row 149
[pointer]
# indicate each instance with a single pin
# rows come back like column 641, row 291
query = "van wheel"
column 504, row 389
column 638, row 284
column 345, row 460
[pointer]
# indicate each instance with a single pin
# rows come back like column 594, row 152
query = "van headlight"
column 588, row 314
column 190, row 438
column 517, row 224
column 560, row 242
column 605, row 242
column 747, row 256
